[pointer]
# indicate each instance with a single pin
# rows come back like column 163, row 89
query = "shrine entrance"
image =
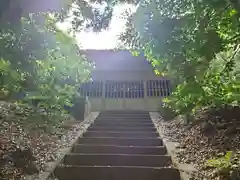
column 121, row 81
column 126, row 95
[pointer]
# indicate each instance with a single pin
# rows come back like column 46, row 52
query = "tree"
column 186, row 39
column 81, row 13
column 41, row 63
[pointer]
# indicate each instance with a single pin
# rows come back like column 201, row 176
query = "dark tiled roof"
column 117, row 60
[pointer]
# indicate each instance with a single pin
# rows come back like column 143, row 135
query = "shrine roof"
column 117, row 60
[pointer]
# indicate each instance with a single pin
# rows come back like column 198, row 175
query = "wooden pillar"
column 145, row 95
column 145, row 88
column 103, row 89
column 103, row 101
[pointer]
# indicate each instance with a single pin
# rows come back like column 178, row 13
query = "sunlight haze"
column 107, row 39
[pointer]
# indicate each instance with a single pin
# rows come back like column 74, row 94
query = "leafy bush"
column 43, row 65
column 223, row 164
column 218, row 87
column 196, row 44
column 227, row 165
column 10, row 81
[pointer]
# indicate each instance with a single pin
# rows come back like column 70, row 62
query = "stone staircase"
column 118, row 146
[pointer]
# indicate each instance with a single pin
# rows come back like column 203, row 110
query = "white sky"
column 106, row 39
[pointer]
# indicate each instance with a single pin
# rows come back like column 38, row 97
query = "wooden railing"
column 126, row 89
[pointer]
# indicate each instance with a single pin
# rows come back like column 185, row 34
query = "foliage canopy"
column 40, row 65
column 196, row 43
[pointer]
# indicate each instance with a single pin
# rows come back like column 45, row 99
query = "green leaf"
column 228, row 156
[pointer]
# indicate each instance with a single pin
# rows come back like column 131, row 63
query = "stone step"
column 117, row 160
column 118, row 146
column 121, row 141
column 139, row 120
column 124, row 124
column 109, row 128
column 107, row 149
column 124, row 117
column 115, row 173
column 124, row 113
column 135, row 134
column 124, row 120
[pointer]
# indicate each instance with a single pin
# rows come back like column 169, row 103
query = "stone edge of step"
column 101, row 166
column 74, row 158
column 185, row 169
column 102, row 145
column 113, row 154
column 61, row 167
column 111, row 148
column 50, row 166
column 126, row 132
